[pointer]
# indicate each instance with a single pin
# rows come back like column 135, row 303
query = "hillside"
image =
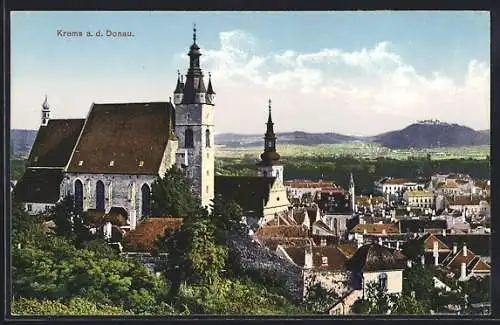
column 297, row 137
column 425, row 134
column 431, row 135
column 21, row 142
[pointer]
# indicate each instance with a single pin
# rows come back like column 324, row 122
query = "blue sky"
column 350, row 72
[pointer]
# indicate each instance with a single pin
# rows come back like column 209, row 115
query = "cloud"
column 365, row 91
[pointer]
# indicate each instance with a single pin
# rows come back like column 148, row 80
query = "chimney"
column 444, row 232
column 384, row 232
column 308, row 260
column 454, row 248
column 360, row 243
column 364, row 231
column 397, row 245
column 380, row 241
column 435, row 247
column 464, row 250
column 463, row 271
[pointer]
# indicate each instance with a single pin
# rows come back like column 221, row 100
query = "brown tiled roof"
column 465, row 200
column 349, row 249
column 478, row 243
column 429, row 243
column 419, row 225
column 459, row 258
column 320, row 224
column 481, row 266
column 54, row 143
column 126, row 134
column 299, row 215
column 335, row 258
column 397, row 181
column 273, row 242
column 481, row 183
column 312, row 213
column 309, row 184
column 284, row 220
column 374, row 257
column 251, row 193
column 282, row 231
column 39, row 185
column 145, row 234
column 364, row 200
column 377, row 228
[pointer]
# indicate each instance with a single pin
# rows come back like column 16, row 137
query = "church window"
column 99, row 196
column 145, row 193
column 141, row 163
column 324, row 260
column 382, row 280
column 207, row 138
column 78, row 196
column 207, row 189
column 30, row 207
column 112, row 163
column 80, row 163
column 188, row 138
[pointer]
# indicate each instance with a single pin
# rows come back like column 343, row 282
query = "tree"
column 172, row 195
column 407, row 305
column 418, row 280
column 376, row 301
column 26, row 229
column 318, row 299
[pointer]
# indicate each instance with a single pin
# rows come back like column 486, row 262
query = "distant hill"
column 430, row 135
column 424, row 134
column 297, row 137
column 21, row 142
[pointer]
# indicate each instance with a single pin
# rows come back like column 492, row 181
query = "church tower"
column 270, row 165
column 194, row 126
column 45, row 112
column 352, row 193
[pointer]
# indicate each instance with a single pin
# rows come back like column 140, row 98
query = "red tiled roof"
column 126, row 134
column 273, row 242
column 429, row 243
column 349, row 249
column 459, row 258
column 377, row 228
column 282, row 231
column 465, row 200
column 144, row 235
column 335, row 258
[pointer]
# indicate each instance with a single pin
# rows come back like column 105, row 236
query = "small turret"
column 45, row 112
column 179, row 89
column 210, row 91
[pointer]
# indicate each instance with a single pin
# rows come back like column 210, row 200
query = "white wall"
column 394, row 279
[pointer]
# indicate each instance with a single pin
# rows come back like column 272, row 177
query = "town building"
column 419, row 199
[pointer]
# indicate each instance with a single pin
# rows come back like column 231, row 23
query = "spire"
column 194, row 33
column 210, row 90
column 194, row 74
column 351, row 180
column 269, row 156
column 178, row 88
column 45, row 112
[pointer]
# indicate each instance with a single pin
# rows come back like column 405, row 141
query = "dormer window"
column 141, row 163
column 112, row 163
column 324, row 261
column 80, row 163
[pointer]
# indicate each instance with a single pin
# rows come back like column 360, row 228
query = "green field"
column 359, row 149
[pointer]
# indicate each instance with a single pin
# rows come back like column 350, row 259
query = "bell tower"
column 270, row 165
column 194, row 126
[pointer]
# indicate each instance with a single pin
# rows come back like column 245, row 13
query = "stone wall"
column 120, row 190
column 249, row 257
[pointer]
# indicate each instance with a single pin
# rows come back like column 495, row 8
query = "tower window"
column 188, row 138
column 141, row 163
column 80, row 163
column 112, row 163
column 207, row 138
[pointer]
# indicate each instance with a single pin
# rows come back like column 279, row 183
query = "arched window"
column 382, row 280
column 145, row 192
column 188, row 138
column 207, row 138
column 78, row 196
column 99, row 196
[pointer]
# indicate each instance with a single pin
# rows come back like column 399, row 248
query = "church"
column 111, row 158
